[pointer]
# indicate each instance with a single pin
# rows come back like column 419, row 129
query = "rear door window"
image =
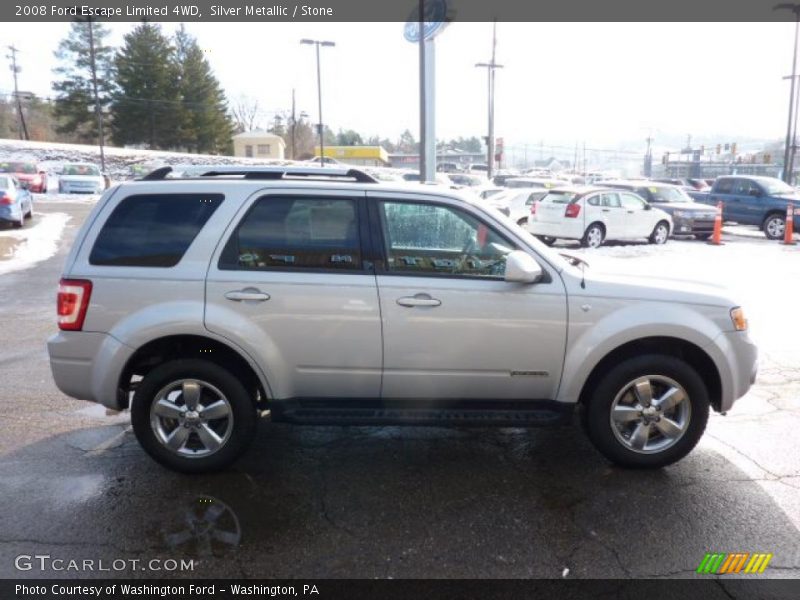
column 296, row 233
column 724, row 186
column 152, row 230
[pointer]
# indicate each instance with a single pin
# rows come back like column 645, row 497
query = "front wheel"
column 660, row 233
column 774, row 227
column 193, row 416
column 647, row 412
column 702, row 236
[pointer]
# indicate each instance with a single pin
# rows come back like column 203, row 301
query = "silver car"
column 81, row 178
column 318, row 296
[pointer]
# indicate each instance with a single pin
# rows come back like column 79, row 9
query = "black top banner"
column 399, row 10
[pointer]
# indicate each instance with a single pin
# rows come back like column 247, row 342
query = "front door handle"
column 418, row 300
column 247, row 294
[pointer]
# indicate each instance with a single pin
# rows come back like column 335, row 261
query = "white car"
column 81, row 178
column 516, row 203
column 594, row 215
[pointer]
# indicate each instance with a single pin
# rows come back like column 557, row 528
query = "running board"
column 461, row 413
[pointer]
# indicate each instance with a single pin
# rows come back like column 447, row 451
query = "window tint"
column 426, row 238
column 631, row 202
column 609, row 200
column 724, row 186
column 296, row 232
column 152, row 230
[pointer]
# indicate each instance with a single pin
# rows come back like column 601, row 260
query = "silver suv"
column 320, row 296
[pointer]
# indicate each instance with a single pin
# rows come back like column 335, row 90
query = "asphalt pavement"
column 373, row 502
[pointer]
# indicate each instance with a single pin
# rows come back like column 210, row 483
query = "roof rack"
column 270, row 172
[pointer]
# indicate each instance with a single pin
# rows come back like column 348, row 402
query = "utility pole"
column 788, row 155
column 98, row 111
column 490, row 69
column 294, row 125
column 648, row 157
column 23, row 129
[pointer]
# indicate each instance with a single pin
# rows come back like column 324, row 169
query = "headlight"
column 739, row 321
column 680, row 213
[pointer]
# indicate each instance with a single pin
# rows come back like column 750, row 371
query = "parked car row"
column 73, row 177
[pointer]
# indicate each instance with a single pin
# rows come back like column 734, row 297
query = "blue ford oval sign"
column 434, row 21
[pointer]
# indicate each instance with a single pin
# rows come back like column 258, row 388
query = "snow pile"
column 118, row 160
column 39, row 243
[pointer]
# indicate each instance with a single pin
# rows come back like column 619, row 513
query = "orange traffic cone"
column 716, row 238
column 788, row 228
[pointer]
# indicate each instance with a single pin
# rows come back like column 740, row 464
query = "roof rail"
column 266, row 172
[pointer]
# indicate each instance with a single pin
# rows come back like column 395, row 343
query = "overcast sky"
column 599, row 82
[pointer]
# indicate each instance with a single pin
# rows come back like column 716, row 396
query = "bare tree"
column 245, row 114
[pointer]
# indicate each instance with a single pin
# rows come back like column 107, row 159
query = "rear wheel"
column 546, row 239
column 660, row 233
column 594, row 236
column 775, row 226
column 193, row 416
column 648, row 412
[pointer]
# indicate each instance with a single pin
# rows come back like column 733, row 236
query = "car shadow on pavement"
column 384, row 502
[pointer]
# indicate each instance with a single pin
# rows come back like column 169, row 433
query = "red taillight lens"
column 73, row 300
column 533, row 208
column 572, row 211
column 5, row 199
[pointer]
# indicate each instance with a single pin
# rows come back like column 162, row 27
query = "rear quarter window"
column 152, row 230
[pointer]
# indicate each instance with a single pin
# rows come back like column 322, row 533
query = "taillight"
column 573, row 210
column 37, row 179
column 73, row 300
column 533, row 208
column 6, row 199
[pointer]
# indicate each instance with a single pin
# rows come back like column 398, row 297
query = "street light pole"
column 319, row 43
column 788, row 155
column 490, row 67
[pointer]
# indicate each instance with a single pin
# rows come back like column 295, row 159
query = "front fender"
column 590, row 340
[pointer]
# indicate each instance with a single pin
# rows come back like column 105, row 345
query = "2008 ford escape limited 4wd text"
column 324, row 297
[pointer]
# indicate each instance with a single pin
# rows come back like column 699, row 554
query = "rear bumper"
column 11, row 212
column 572, row 229
column 87, row 365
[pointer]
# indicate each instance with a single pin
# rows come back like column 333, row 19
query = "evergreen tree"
column 204, row 124
column 146, row 104
column 74, row 104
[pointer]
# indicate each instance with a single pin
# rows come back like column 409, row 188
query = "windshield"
column 668, row 194
column 81, row 170
column 18, row 167
column 776, row 187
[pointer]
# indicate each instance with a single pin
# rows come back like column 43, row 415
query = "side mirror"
column 24, row 185
column 648, row 207
column 756, row 193
column 521, row 267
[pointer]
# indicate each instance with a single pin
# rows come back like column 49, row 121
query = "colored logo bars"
column 743, row 562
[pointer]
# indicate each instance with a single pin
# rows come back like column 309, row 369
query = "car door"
column 724, row 192
column 606, row 207
column 749, row 202
column 639, row 222
column 291, row 285
column 452, row 327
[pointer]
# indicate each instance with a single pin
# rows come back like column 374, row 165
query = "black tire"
column 242, row 410
column 589, row 239
column 546, row 239
column 598, row 410
column 523, row 221
column 660, row 233
column 702, row 236
column 774, row 226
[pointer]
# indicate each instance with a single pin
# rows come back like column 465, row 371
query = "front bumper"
column 692, row 225
column 736, row 357
column 75, row 187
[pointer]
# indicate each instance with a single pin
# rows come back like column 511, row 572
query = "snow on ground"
column 36, row 243
column 118, row 160
column 763, row 276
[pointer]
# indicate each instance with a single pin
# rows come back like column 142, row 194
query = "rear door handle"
column 418, row 300
column 247, row 294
